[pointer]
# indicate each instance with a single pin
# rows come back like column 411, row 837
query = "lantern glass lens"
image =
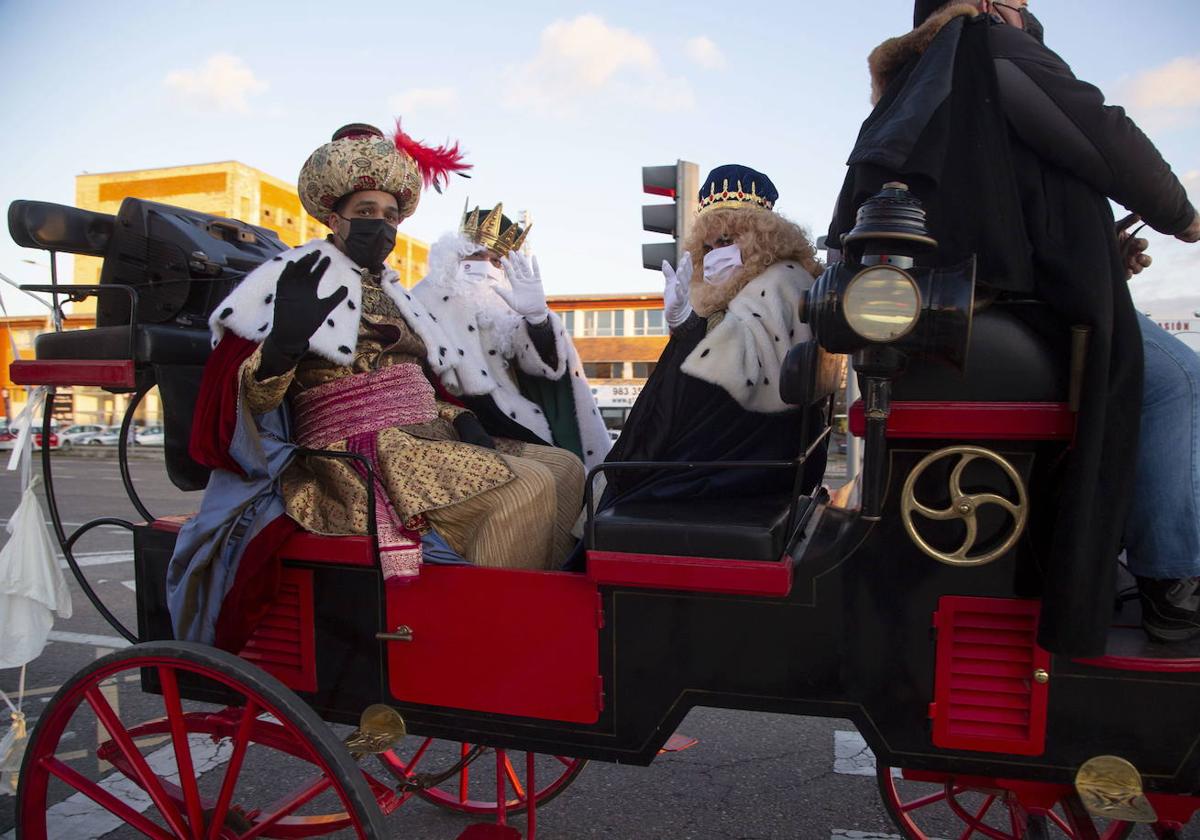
column 882, row 303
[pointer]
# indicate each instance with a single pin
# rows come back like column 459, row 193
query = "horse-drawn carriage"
column 906, row 603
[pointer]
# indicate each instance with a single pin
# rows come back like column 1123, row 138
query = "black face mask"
column 1029, row 23
column 369, row 242
column 1033, row 26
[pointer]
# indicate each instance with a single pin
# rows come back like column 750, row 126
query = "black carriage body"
column 853, row 622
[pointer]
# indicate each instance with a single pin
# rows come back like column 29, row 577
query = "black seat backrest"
column 178, row 387
column 810, row 374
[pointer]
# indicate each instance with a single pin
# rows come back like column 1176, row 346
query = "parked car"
column 8, row 439
column 80, row 434
column 150, row 436
column 110, row 436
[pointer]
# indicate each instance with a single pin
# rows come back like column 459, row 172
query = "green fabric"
column 558, row 404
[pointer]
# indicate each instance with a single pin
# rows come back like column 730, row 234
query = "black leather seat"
column 158, row 344
column 1008, row 361
column 751, row 528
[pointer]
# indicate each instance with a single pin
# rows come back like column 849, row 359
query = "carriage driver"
column 1001, row 126
column 328, row 330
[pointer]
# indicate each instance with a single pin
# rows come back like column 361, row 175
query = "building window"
column 642, row 370
column 568, row 319
column 603, row 322
column 648, row 322
column 602, row 370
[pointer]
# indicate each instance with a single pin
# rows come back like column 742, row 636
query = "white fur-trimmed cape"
column 480, row 351
column 249, row 310
column 743, row 354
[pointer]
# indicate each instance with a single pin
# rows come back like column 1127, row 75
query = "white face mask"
column 480, row 271
column 721, row 263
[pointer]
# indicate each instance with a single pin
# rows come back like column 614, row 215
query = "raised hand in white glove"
column 527, row 297
column 676, row 304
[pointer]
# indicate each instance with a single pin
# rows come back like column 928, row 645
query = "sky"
column 558, row 105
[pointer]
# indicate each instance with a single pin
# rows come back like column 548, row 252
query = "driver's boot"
column 1170, row 608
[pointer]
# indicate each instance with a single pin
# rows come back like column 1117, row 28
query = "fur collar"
column 887, row 59
column 743, row 353
column 249, row 310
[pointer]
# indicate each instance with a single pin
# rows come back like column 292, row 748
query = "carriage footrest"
column 490, row 831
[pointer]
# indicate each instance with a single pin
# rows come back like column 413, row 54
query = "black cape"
column 680, row 418
column 1038, row 229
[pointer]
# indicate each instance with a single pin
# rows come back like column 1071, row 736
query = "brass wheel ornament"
column 964, row 506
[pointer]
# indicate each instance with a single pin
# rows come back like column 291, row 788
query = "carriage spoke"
column 512, row 778
column 240, row 743
column 104, row 799
column 925, row 801
column 137, row 763
column 288, row 806
column 183, row 750
column 956, row 474
column 464, row 775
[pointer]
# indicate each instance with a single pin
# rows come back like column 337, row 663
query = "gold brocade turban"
column 359, row 157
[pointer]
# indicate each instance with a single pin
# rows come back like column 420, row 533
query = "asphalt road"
column 750, row 776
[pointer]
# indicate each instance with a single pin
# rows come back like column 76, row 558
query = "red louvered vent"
column 283, row 644
column 985, row 696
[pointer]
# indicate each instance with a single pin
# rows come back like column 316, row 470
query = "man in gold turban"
column 327, row 330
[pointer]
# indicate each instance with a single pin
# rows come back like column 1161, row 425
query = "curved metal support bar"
column 96, row 523
column 123, row 451
column 66, row 542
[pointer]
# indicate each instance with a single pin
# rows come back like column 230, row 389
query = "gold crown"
column 486, row 231
column 728, row 199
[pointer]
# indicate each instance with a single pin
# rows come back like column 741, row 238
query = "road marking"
column 79, row 818
column 842, row 834
column 112, row 642
column 131, row 585
column 98, row 558
column 852, row 756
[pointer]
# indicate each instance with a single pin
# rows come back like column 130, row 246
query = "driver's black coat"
column 954, row 123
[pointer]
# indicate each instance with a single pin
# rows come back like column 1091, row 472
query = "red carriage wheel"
column 260, row 763
column 925, row 805
column 463, row 777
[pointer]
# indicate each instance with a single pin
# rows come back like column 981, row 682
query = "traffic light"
column 681, row 182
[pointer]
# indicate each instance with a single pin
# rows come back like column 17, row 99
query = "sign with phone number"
column 616, row 395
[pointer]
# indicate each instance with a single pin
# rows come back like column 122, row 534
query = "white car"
column 79, row 434
column 151, row 436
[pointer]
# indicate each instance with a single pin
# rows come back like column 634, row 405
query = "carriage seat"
column 752, row 528
column 158, row 344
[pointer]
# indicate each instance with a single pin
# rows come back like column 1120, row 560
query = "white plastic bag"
column 32, row 586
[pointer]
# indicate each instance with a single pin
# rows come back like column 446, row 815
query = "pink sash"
column 354, row 409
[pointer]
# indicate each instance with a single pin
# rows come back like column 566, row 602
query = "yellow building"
column 230, row 189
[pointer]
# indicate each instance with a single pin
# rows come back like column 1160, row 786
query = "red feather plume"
column 435, row 163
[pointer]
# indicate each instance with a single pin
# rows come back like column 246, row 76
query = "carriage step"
column 490, row 831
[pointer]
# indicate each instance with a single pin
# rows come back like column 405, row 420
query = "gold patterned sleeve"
column 261, row 397
column 450, row 411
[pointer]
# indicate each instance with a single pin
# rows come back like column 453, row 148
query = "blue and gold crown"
column 733, row 186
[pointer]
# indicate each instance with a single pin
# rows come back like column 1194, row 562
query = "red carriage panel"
column 991, row 686
column 973, row 420
column 691, row 574
column 498, row 640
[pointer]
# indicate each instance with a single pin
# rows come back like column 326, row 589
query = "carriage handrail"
column 77, row 293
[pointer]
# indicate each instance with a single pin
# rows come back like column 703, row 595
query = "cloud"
column 424, row 99
column 584, row 61
column 223, row 83
column 704, row 52
column 1167, row 95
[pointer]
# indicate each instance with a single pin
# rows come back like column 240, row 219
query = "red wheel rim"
column 967, row 808
column 475, row 788
column 183, row 811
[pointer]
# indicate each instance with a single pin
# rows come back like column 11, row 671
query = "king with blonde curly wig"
column 733, row 307
column 764, row 238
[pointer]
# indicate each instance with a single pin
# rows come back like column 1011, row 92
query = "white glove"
column 676, row 304
column 527, row 297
